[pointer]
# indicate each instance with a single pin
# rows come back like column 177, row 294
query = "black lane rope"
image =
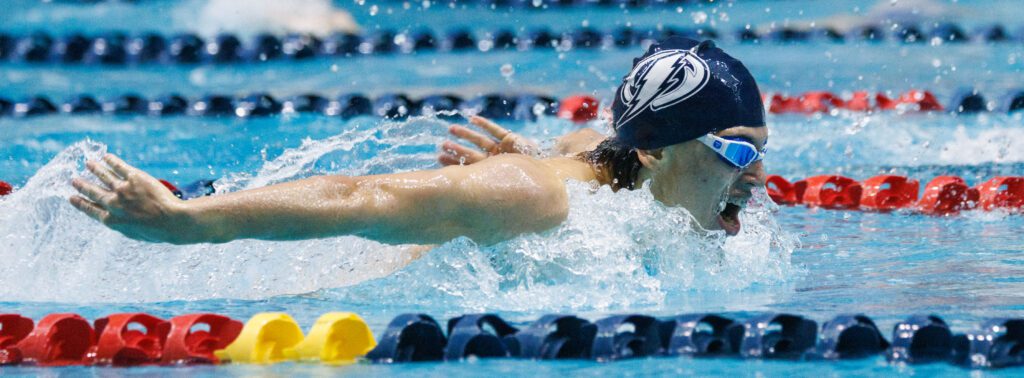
column 350, row 105
column 123, row 48
column 501, row 106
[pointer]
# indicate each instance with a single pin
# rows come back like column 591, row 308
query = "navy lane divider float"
column 340, row 338
column 520, row 107
column 118, row 48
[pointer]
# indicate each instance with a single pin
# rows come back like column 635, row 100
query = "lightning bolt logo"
column 661, row 80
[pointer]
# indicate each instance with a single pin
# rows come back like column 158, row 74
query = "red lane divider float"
column 860, row 101
column 1001, row 192
column 127, row 339
column 830, row 192
column 578, row 108
column 889, row 192
column 943, row 195
column 58, row 340
column 947, row 195
column 194, row 338
column 13, row 329
column 5, row 188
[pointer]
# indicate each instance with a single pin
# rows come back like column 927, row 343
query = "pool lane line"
column 343, row 338
column 122, row 48
column 499, row 106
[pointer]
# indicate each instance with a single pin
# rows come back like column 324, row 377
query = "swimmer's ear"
column 650, row 159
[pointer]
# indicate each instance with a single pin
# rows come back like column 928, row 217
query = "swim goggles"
column 738, row 153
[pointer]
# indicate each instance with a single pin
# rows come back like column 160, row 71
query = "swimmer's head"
column 677, row 93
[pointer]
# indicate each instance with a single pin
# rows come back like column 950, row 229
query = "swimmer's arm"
column 487, row 202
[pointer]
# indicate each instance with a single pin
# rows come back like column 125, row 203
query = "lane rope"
column 500, row 106
column 121, row 48
column 341, row 338
column 943, row 195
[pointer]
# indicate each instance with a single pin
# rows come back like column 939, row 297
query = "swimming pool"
column 818, row 263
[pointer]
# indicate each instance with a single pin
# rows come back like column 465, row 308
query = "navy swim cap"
column 682, row 89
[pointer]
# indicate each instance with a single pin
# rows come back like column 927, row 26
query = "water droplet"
column 699, row 17
column 507, row 70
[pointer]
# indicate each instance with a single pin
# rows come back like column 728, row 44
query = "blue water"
column 813, row 262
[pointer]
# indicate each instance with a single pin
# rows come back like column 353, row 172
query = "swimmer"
column 688, row 120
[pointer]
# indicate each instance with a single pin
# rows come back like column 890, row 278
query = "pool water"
column 614, row 255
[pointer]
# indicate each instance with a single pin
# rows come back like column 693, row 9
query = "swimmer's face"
column 691, row 175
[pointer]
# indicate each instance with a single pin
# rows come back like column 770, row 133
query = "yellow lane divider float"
column 337, row 338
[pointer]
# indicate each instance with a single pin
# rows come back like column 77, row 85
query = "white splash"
column 54, row 253
column 907, row 140
column 996, row 145
column 616, row 251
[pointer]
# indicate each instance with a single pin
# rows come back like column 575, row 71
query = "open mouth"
column 729, row 218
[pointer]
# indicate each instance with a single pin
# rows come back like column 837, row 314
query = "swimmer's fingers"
column 480, row 140
column 93, row 192
column 457, row 154
column 489, row 126
column 446, row 160
column 119, row 166
column 103, row 173
column 89, row 208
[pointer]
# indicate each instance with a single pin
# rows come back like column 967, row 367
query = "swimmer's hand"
column 500, row 141
column 131, row 202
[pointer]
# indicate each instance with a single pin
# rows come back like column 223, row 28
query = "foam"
column 995, row 145
column 55, row 253
column 616, row 249
column 849, row 140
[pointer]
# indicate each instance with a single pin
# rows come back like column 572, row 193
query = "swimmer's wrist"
column 202, row 224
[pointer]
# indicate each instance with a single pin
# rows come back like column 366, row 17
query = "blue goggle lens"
column 740, row 155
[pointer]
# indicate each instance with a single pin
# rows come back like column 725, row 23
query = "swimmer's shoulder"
column 557, row 168
column 570, row 168
column 584, row 139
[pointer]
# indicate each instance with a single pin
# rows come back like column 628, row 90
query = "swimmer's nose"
column 754, row 176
